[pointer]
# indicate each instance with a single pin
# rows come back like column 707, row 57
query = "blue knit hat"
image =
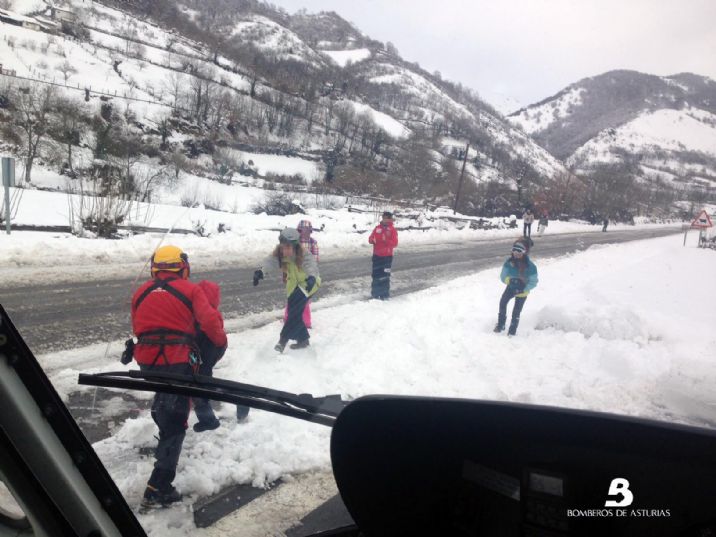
column 519, row 247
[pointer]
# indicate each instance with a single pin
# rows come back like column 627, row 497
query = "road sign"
column 702, row 221
column 8, row 171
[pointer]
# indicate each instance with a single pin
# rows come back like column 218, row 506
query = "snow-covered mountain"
column 204, row 77
column 663, row 128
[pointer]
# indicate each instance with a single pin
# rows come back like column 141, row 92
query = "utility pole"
column 462, row 174
column 8, row 180
column 520, row 177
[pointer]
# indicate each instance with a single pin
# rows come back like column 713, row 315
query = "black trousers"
column 294, row 327
column 210, row 354
column 527, row 231
column 170, row 412
column 380, row 286
column 516, row 309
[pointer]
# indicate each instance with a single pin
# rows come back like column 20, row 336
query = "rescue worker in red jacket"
column 384, row 239
column 167, row 311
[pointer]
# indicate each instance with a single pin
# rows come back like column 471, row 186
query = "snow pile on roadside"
column 606, row 322
column 635, row 339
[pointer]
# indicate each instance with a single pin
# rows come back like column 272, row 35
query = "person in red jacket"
column 384, row 239
column 167, row 312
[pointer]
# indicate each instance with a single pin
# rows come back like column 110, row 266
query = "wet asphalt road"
column 70, row 315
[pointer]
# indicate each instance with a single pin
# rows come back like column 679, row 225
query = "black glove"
column 310, row 282
column 128, row 353
column 516, row 285
column 258, row 275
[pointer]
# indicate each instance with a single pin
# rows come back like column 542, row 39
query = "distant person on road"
column 519, row 274
column 384, row 239
column 309, row 244
column 168, row 311
column 543, row 223
column 300, row 273
column 210, row 356
column 605, row 223
column 527, row 220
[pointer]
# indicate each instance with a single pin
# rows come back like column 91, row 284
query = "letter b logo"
column 618, row 486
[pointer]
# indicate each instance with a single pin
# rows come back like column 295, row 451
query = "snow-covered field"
column 622, row 328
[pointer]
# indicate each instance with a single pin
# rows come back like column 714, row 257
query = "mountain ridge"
column 626, row 117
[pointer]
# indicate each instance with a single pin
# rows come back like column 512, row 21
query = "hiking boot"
column 300, row 344
column 281, row 345
column 499, row 327
column 159, row 498
column 512, row 331
column 206, row 425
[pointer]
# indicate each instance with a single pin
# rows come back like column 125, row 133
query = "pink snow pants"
column 306, row 314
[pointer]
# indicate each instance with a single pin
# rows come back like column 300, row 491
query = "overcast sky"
column 521, row 51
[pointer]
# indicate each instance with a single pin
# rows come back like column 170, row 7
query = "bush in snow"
column 277, row 204
column 200, row 228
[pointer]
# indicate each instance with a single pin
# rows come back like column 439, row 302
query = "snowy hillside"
column 437, row 105
column 540, row 117
column 201, row 81
column 659, row 137
column 662, row 128
column 273, row 38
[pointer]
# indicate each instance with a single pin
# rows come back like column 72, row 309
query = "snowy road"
column 60, row 316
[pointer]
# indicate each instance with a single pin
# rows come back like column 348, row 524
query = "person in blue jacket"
column 519, row 274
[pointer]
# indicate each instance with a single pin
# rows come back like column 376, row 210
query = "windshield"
column 509, row 204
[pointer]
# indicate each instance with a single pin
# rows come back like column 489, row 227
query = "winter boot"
column 159, row 498
column 281, row 345
column 206, row 425
column 500, row 326
column 512, row 331
column 300, row 344
column 242, row 413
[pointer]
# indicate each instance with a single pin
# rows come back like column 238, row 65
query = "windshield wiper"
column 323, row 410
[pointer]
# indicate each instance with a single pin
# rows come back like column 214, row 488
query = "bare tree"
column 67, row 70
column 329, row 104
column 178, row 163
column 67, row 126
column 218, row 113
column 201, row 91
column 164, row 126
column 145, row 181
column 130, row 33
column 345, row 114
column 174, row 85
column 567, row 193
column 33, row 105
